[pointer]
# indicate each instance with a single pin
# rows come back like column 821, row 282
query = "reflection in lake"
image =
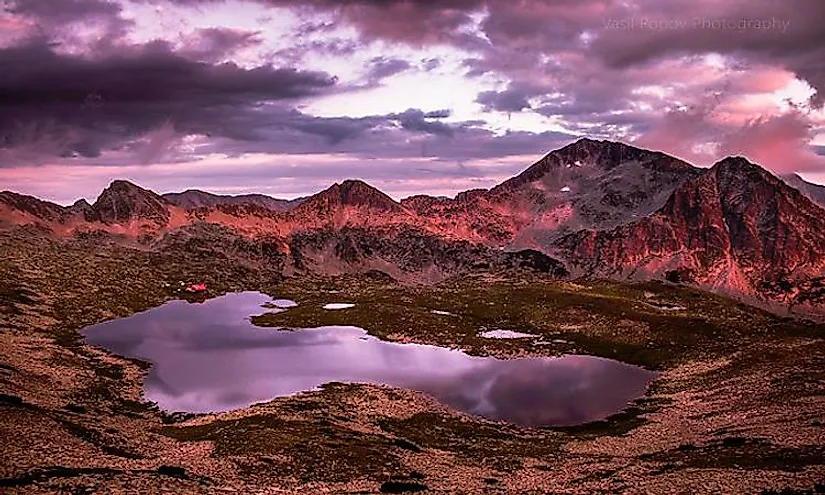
column 209, row 357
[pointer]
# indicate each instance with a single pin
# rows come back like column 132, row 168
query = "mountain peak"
column 590, row 157
column 586, row 142
column 735, row 162
column 737, row 170
column 124, row 185
column 604, row 153
column 353, row 192
column 123, row 201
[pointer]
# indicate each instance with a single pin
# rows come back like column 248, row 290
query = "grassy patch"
column 498, row 446
column 317, row 450
column 743, row 453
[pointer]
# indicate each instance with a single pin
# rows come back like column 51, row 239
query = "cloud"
column 680, row 131
column 413, row 22
column 383, row 67
column 330, row 46
column 157, row 142
column 55, row 13
column 430, row 64
column 787, row 34
column 215, row 44
column 34, row 143
column 135, row 91
column 779, row 143
column 60, row 19
column 416, row 22
column 509, row 100
column 80, row 91
column 419, row 121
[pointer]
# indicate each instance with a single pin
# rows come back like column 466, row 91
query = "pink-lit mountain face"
column 593, row 208
column 735, row 228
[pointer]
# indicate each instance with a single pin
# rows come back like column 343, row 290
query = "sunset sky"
column 285, row 97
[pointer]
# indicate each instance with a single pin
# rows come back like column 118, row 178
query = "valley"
column 735, row 407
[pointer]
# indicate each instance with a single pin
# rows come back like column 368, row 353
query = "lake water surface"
column 209, row 357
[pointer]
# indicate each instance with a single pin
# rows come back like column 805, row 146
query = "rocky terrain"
column 193, row 198
column 815, row 192
column 737, row 406
column 600, row 208
column 735, row 229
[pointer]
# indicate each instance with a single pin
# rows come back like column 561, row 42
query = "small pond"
column 506, row 334
column 209, row 357
column 338, row 306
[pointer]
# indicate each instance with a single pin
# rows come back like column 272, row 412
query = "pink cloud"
column 700, row 135
column 779, row 143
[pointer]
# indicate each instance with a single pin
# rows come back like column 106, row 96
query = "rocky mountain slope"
column 593, row 208
column 587, row 184
column 815, row 192
column 734, row 228
column 193, row 198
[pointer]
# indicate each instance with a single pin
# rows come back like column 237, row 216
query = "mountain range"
column 194, row 198
column 590, row 209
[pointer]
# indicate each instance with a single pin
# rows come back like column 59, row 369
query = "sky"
column 285, row 97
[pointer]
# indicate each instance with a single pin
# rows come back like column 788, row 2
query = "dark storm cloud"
column 291, row 131
column 437, row 114
column 294, row 132
column 138, row 101
column 563, row 59
column 509, row 100
column 579, row 49
column 89, row 104
column 418, row 121
column 789, row 34
column 380, row 137
column 51, row 18
column 541, row 24
column 332, row 129
column 63, row 10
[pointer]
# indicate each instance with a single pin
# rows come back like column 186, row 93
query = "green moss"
column 497, row 446
column 743, row 453
column 316, row 451
column 106, row 443
column 610, row 320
